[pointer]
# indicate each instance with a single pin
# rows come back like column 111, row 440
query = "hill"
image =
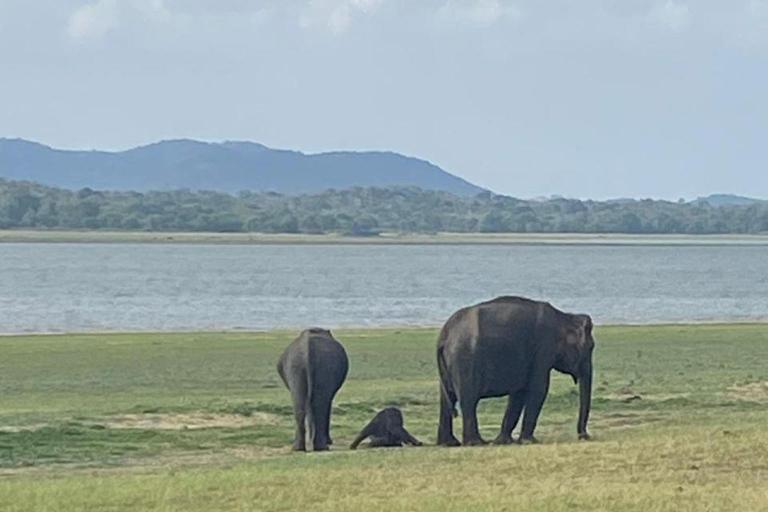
column 223, row 167
column 728, row 200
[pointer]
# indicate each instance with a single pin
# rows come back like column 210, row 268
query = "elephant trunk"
column 585, row 400
column 366, row 432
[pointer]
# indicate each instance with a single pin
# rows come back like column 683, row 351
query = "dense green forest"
column 360, row 211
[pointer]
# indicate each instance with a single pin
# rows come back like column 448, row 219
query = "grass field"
column 200, row 422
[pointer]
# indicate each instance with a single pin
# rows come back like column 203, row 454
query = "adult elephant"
column 313, row 368
column 508, row 347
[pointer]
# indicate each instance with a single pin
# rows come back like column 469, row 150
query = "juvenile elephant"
column 386, row 429
column 508, row 347
column 313, row 368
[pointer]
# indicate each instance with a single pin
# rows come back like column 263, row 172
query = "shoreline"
column 554, row 239
column 761, row 321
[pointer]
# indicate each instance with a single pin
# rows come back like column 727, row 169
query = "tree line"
column 361, row 211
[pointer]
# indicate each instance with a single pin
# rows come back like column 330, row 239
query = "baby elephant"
column 313, row 369
column 386, row 429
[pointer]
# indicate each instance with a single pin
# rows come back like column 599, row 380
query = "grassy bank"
column 201, row 422
column 31, row 236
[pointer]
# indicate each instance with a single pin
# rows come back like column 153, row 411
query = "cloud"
column 340, row 19
column 154, row 10
column 94, row 20
column 676, row 16
column 477, row 12
column 335, row 15
column 98, row 18
column 750, row 28
column 757, row 10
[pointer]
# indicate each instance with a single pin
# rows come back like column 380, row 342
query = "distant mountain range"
column 223, row 167
column 232, row 167
column 711, row 200
column 728, row 200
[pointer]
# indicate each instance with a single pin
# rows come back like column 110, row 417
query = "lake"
column 145, row 287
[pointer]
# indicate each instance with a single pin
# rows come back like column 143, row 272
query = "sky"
column 581, row 98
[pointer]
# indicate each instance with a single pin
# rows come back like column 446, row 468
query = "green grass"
column 97, row 422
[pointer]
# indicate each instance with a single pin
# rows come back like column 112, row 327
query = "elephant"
column 313, row 368
column 507, row 347
column 386, row 429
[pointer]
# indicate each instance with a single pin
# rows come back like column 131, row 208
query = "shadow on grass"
column 94, row 443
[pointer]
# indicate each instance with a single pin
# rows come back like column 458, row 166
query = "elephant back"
column 327, row 358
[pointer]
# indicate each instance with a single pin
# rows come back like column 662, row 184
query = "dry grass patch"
column 189, row 421
column 675, row 469
column 614, row 421
column 754, row 392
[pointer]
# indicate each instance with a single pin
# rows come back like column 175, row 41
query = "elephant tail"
column 281, row 371
column 445, row 392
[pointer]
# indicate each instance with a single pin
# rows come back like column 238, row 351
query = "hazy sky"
column 583, row 98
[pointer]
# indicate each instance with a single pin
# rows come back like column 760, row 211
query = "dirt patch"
column 166, row 422
column 195, row 459
column 22, row 428
column 188, row 421
column 152, row 465
column 754, row 392
column 628, row 420
column 631, row 397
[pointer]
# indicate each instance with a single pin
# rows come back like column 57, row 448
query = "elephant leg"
column 445, row 435
column 327, row 423
column 406, row 437
column 534, row 401
column 321, row 419
column 299, row 398
column 311, row 419
column 515, row 405
column 471, row 432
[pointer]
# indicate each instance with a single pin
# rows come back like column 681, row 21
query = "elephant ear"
column 576, row 344
column 587, row 325
column 579, row 333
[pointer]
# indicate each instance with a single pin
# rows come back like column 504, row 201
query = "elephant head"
column 574, row 358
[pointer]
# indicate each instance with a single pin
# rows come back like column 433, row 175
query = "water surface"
column 116, row 287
